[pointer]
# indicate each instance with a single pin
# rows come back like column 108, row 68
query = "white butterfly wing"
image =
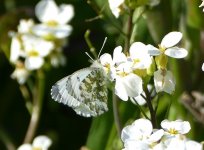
column 85, row 91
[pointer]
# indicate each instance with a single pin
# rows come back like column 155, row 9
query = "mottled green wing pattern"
column 85, row 91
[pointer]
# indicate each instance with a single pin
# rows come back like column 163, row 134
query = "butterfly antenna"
column 104, row 42
column 89, row 56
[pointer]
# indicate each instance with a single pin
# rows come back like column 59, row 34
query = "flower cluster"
column 34, row 45
column 39, row 143
column 129, row 71
column 140, row 135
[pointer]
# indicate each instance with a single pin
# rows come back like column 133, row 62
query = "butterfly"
column 85, row 91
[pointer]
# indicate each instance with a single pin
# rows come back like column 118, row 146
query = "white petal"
column 138, row 100
column 114, row 6
column 193, row 145
column 20, row 74
column 139, row 129
column 133, row 85
column 15, row 49
column 171, row 39
column 182, row 127
column 25, row 147
column 203, row 67
column 118, row 55
column 106, row 59
column 153, row 51
column 156, row 136
column 46, row 10
column 59, row 31
column 32, row 63
column 42, row 142
column 144, row 126
column 25, row 26
column 66, row 13
column 202, row 4
column 174, row 143
column 136, row 145
column 137, row 47
column 164, row 81
column 120, row 90
column 176, row 52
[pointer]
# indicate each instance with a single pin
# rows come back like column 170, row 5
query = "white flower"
column 25, row 26
column 35, row 50
column 140, row 135
column 115, row 6
column 168, row 48
column 140, row 56
column 40, row 142
column 119, row 68
column 53, row 19
column 127, row 84
column 203, row 67
column 175, row 127
column 164, row 81
column 20, row 73
column 109, row 64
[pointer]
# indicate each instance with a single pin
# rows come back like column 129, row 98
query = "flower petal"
column 66, row 13
column 203, row 67
column 42, row 142
column 120, row 90
column 156, row 136
column 118, row 55
column 15, row 49
column 171, row 39
column 114, row 6
column 106, row 59
column 153, row 51
column 46, row 10
column 193, row 145
column 32, row 63
column 176, row 52
column 164, row 81
column 133, row 85
column 25, row 147
column 59, row 31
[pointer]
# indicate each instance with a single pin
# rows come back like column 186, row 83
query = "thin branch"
column 6, row 140
column 129, row 32
column 38, row 94
column 151, row 109
column 116, row 114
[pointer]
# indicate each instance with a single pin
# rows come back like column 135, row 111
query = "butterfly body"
column 85, row 91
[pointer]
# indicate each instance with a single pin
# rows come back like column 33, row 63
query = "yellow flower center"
column 36, row 148
column 162, row 49
column 33, row 53
column 173, row 131
column 122, row 74
column 52, row 23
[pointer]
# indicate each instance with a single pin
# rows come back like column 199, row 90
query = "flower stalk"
column 38, row 94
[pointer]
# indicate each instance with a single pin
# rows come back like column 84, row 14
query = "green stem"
column 151, row 109
column 129, row 32
column 38, row 94
column 90, row 45
column 26, row 97
column 6, row 140
column 116, row 114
